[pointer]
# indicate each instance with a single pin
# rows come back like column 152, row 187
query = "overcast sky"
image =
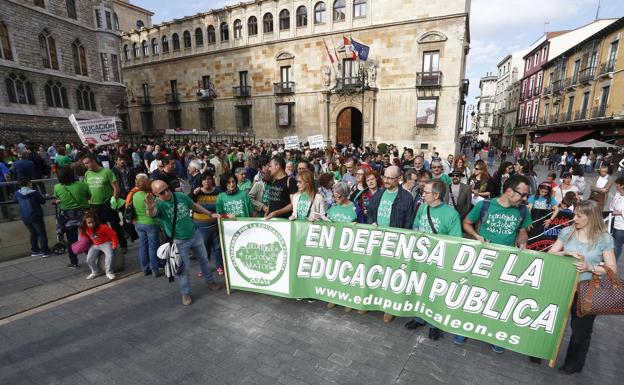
column 497, row 27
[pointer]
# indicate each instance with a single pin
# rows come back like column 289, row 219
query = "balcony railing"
column 173, row 97
column 557, row 86
column 465, row 86
column 607, row 67
column 242, row 91
column 530, row 93
column 544, row 120
column 569, row 83
column 554, row 118
column 123, row 103
column 429, row 79
column 547, row 90
column 284, row 88
column 206, row 94
column 600, row 111
column 350, row 83
column 567, row 116
column 587, row 74
column 144, row 100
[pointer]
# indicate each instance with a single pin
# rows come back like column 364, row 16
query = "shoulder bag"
column 600, row 295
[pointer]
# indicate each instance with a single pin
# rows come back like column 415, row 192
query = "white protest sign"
column 316, row 141
column 96, row 131
column 291, row 142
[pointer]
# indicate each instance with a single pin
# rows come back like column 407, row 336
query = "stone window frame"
column 16, row 83
column 362, row 6
column 47, row 49
column 126, row 51
column 238, row 29
column 301, row 16
column 199, row 37
column 165, row 44
column 211, row 34
column 136, row 50
column 224, row 31
column 6, row 50
column 145, row 48
column 252, row 26
column 175, row 42
column 186, row 39
column 206, row 118
column 239, row 110
column 267, row 23
column 106, row 67
column 115, row 67
column 85, row 98
column 291, row 114
column 70, row 5
column 55, row 94
column 79, row 55
column 320, row 13
column 339, row 8
column 284, row 20
column 154, row 44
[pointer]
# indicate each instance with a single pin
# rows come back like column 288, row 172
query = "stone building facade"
column 129, row 16
column 262, row 69
column 58, row 57
column 486, row 105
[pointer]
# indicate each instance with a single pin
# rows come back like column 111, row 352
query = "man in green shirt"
column 437, row 172
column 445, row 221
column 186, row 237
column 62, row 160
column 103, row 185
column 504, row 221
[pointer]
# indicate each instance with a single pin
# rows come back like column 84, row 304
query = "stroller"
column 61, row 245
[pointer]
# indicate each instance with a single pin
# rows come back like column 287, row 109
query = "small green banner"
column 516, row 299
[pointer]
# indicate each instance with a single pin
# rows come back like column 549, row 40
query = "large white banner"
column 316, row 141
column 96, row 131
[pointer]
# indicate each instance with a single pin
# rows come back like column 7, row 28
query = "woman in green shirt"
column 147, row 227
column 233, row 202
column 73, row 198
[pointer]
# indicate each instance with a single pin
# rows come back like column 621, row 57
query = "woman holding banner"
column 589, row 241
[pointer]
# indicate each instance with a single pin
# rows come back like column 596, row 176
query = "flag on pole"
column 361, row 49
column 331, row 58
column 349, row 48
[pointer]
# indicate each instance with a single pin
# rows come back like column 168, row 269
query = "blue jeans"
column 38, row 236
column 148, row 245
column 72, row 237
column 618, row 239
column 196, row 245
column 210, row 235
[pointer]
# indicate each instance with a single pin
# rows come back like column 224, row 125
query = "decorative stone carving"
column 326, row 76
column 432, row 37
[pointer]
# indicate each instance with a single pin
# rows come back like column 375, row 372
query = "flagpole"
column 327, row 51
column 335, row 53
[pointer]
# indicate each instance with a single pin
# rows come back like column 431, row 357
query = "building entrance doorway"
column 349, row 127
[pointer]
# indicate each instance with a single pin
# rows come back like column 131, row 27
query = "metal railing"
column 284, row 88
column 600, row 111
column 557, row 86
column 429, row 79
column 206, row 94
column 586, row 74
column 349, row 83
column 9, row 209
column 173, row 97
column 144, row 100
column 242, row 91
column 607, row 67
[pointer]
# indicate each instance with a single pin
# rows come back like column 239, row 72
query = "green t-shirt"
column 138, row 202
column 445, row 220
column 237, row 204
column 501, row 225
column 62, row 160
column 245, row 186
column 99, row 183
column 74, row 196
column 342, row 214
column 185, row 228
column 385, row 208
column 302, row 206
column 445, row 178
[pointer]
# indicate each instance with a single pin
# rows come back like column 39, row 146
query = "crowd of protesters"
column 194, row 183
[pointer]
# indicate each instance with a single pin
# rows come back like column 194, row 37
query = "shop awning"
column 566, row 137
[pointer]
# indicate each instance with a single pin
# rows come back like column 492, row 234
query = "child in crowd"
column 30, row 202
column 103, row 239
column 566, row 206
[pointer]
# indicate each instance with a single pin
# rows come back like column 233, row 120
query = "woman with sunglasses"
column 503, row 173
column 233, row 202
column 589, row 241
column 542, row 199
column 360, row 194
column 481, row 183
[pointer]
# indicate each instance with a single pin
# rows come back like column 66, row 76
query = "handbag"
column 82, row 245
column 174, row 265
column 600, row 295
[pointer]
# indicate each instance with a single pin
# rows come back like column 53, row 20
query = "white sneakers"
column 110, row 276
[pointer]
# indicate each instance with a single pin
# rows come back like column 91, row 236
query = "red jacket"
column 103, row 234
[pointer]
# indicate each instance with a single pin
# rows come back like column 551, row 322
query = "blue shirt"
column 24, row 167
column 592, row 251
column 4, row 170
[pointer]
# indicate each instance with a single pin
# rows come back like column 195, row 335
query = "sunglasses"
column 522, row 195
column 163, row 192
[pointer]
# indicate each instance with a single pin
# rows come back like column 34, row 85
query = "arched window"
column 47, row 47
column 175, row 39
column 252, row 26
column 238, row 29
column 80, row 58
column 136, row 50
column 284, row 19
column 71, row 9
column 5, row 43
column 126, row 50
column 319, row 13
column 212, row 38
column 199, row 37
column 155, row 50
column 115, row 21
column 359, row 8
column 339, row 10
column 55, row 94
column 186, row 36
column 145, row 48
column 267, row 23
column 85, row 98
column 225, row 32
column 19, row 89
column 140, row 24
column 165, row 44
column 302, row 16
